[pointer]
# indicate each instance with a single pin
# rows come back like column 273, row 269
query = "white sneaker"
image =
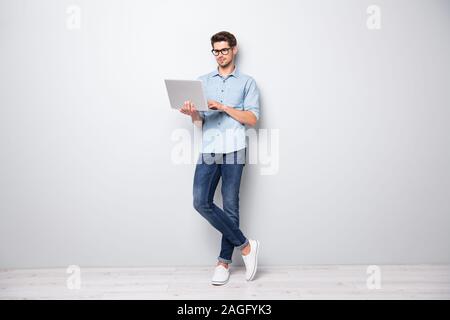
column 221, row 275
column 251, row 260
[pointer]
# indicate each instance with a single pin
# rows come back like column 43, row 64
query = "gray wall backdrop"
column 86, row 175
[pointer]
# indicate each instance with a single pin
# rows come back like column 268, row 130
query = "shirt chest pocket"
column 235, row 98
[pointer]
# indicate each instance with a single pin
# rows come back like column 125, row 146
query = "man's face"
column 224, row 59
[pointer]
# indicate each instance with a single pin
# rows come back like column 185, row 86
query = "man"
column 235, row 98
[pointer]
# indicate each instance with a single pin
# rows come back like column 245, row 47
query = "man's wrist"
column 195, row 115
column 224, row 108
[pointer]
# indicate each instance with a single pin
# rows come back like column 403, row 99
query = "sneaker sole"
column 219, row 283
column 256, row 262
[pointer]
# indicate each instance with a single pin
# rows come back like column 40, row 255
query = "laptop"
column 180, row 91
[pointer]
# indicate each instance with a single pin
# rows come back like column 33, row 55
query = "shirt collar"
column 235, row 72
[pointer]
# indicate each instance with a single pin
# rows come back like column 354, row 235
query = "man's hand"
column 244, row 117
column 188, row 108
column 214, row 105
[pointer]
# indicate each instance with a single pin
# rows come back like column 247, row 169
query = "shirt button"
column 220, row 100
column 219, row 123
column 222, row 90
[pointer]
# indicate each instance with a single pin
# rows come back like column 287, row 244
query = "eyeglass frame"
column 220, row 51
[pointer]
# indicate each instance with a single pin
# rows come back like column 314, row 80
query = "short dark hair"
column 224, row 36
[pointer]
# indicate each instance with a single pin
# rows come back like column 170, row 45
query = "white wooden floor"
column 286, row 282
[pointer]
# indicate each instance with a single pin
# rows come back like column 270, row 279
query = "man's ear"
column 235, row 49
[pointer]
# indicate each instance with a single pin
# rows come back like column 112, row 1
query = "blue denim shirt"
column 220, row 132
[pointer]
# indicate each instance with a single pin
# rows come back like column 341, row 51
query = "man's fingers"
column 212, row 103
column 185, row 108
column 188, row 106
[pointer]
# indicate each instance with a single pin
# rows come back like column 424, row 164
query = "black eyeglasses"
column 223, row 51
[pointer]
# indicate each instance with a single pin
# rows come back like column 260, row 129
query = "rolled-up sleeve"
column 251, row 100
